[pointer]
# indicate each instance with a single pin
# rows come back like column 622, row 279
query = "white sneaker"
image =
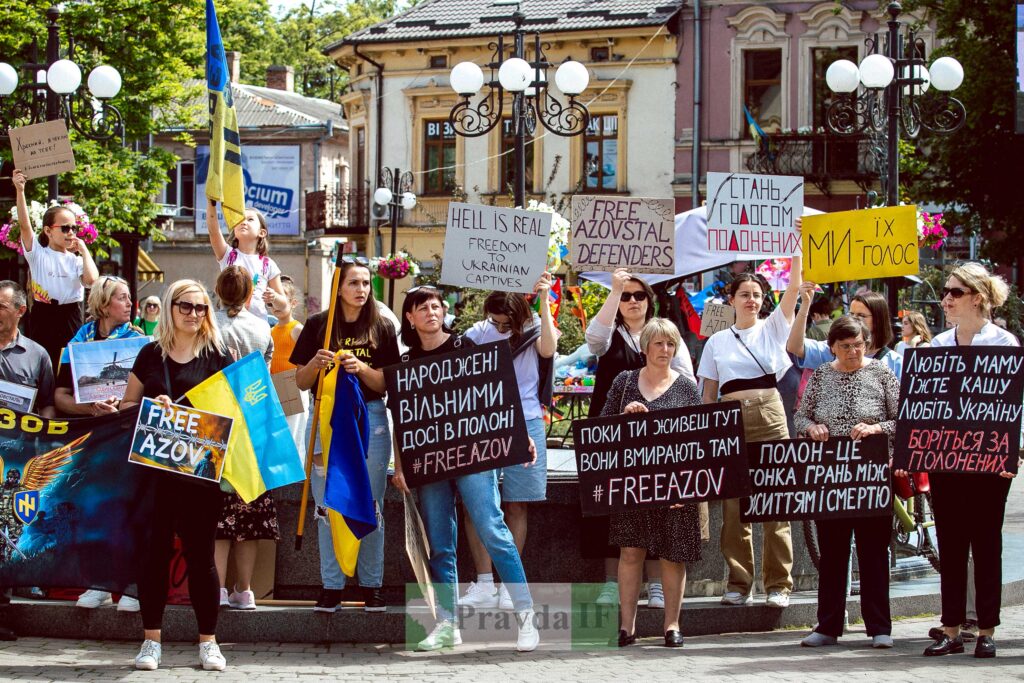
column 504, row 599
column 480, row 595
column 655, row 595
column 777, row 599
column 148, row 658
column 242, row 600
column 91, row 599
column 210, row 657
column 529, row 636
column 225, row 601
column 127, row 604
column 609, row 594
column 735, row 598
column 444, row 635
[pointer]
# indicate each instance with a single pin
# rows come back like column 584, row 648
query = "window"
column 599, row 54
column 601, row 153
column 762, row 88
column 438, row 61
column 180, row 191
column 438, row 157
column 507, row 179
column 822, row 58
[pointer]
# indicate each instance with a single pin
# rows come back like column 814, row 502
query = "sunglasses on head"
column 634, row 296
column 954, row 292
column 188, row 308
column 68, row 229
column 417, row 288
column 356, row 260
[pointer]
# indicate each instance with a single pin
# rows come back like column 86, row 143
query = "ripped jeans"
column 370, row 564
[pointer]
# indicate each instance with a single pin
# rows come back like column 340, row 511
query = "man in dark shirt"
column 22, row 361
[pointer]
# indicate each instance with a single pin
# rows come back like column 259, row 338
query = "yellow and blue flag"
column 224, row 180
column 344, row 435
column 261, row 453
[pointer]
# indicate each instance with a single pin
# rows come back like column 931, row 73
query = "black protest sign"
column 796, row 479
column 660, row 458
column 457, row 413
column 960, row 410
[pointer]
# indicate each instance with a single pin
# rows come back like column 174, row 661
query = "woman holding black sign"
column 745, row 363
column 970, row 294
column 672, row 534
column 613, row 335
column 188, row 350
column 363, row 342
column 424, row 332
column 852, row 396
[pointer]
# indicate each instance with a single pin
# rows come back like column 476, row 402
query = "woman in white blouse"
column 744, row 363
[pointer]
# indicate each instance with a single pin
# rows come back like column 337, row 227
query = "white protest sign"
column 487, row 247
column 623, row 232
column 42, row 149
column 754, row 213
column 716, row 317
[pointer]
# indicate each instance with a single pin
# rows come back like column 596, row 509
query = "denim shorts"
column 528, row 484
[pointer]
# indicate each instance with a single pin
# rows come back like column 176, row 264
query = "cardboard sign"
column 960, row 409
column 623, row 232
column 17, row 396
column 487, row 247
column 417, row 549
column 42, row 149
column 859, row 245
column 457, row 413
column 754, row 213
column 183, row 441
column 660, row 458
column 794, row 479
column 288, row 392
column 716, row 317
column 99, row 370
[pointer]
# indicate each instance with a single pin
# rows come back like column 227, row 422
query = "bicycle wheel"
column 811, row 541
column 924, row 513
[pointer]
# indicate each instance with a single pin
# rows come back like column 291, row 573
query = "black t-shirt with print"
column 451, row 344
column 311, row 340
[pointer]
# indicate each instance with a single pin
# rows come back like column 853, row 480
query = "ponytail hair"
column 992, row 288
column 234, row 289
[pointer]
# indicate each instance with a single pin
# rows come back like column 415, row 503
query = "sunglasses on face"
column 954, row 292
column 68, row 229
column 188, row 308
column 152, row 306
column 634, row 296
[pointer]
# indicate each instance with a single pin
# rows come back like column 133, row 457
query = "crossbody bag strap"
column 740, row 340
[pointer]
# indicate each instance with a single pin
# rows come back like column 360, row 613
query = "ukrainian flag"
column 344, row 435
column 224, row 182
column 261, row 453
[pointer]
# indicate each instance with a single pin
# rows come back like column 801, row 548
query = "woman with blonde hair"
column 149, row 315
column 187, row 351
column 915, row 332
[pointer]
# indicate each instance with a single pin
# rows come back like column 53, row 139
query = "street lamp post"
column 395, row 192
column 895, row 96
column 51, row 90
column 531, row 98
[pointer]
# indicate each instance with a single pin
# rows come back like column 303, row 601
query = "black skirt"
column 672, row 534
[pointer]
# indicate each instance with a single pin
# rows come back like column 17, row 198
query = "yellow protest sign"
column 858, row 245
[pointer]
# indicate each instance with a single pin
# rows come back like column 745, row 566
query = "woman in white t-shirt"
column 970, row 294
column 61, row 269
column 249, row 246
column 745, row 363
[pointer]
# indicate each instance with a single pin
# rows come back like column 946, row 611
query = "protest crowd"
column 354, row 361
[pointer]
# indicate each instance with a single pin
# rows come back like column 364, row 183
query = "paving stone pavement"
column 735, row 657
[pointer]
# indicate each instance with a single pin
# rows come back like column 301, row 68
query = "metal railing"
column 345, row 212
column 821, row 158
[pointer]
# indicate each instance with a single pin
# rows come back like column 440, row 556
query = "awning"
column 148, row 270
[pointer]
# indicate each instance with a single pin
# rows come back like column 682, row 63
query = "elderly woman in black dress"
column 672, row 534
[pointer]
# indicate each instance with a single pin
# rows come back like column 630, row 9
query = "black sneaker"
column 328, row 601
column 373, row 600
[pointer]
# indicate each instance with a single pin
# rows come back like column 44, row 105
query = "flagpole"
column 335, row 280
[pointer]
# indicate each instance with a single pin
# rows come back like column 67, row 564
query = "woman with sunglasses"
column 613, row 335
column 970, row 294
column 424, row 332
column 363, row 342
column 149, row 316
column 61, row 268
column 745, row 363
column 507, row 316
column 187, row 350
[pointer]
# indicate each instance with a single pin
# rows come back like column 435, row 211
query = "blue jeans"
column 480, row 498
column 370, row 563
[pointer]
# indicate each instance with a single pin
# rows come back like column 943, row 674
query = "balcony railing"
column 338, row 213
column 821, row 158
